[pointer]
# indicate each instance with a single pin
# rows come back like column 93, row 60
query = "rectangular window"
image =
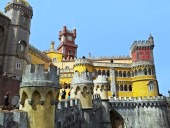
column 151, row 87
column 18, row 65
column 54, row 60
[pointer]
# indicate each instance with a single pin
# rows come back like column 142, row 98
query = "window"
column 54, row 60
column 21, row 47
column 151, row 86
column 67, row 67
column 70, row 52
column 18, row 65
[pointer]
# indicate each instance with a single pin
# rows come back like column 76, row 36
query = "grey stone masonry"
column 14, row 119
column 36, row 76
column 142, row 113
column 113, row 80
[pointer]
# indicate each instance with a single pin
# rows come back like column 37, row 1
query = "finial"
column 150, row 36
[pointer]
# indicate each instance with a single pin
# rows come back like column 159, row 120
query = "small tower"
column 38, row 93
column 101, row 87
column 4, row 26
column 16, row 51
column 67, row 43
column 83, row 65
column 82, row 89
column 143, row 68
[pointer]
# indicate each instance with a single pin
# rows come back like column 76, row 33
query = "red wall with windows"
column 142, row 55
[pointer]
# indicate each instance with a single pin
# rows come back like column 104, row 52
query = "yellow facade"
column 133, row 86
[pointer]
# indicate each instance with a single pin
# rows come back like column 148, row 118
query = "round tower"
column 144, row 82
column 82, row 88
column 82, row 82
column 101, row 87
column 83, row 65
column 38, row 93
column 20, row 14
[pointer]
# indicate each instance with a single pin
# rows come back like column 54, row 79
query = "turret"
column 38, row 95
column 67, row 43
column 20, row 13
column 83, row 64
column 101, row 88
column 82, row 88
column 143, row 68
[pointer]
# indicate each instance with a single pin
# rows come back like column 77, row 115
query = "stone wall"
column 142, row 113
column 15, row 119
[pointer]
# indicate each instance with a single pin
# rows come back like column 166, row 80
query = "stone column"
column 113, row 80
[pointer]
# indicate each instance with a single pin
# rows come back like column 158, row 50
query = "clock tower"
column 67, row 43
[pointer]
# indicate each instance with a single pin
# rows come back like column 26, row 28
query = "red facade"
column 142, row 55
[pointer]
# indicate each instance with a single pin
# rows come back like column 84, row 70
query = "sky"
column 105, row 28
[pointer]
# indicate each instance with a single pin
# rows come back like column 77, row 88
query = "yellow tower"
column 83, row 65
column 82, row 82
column 38, row 93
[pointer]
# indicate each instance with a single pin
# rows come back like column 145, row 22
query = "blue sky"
column 106, row 28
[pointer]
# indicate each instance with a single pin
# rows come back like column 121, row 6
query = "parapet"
column 82, row 78
column 101, row 79
column 36, row 76
column 20, row 4
column 68, row 103
column 80, row 61
column 143, row 43
column 138, row 101
column 123, row 57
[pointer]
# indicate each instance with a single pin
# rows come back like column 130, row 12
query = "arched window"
column 151, row 86
column 125, row 87
column 120, row 73
column 121, row 87
column 136, row 73
column 124, row 74
column 108, row 73
column 128, row 74
column 149, row 71
column 99, row 72
column 145, row 71
column 103, row 72
column 130, row 87
column 21, row 48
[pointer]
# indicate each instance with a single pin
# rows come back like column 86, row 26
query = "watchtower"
column 16, row 51
column 143, row 69
column 38, row 94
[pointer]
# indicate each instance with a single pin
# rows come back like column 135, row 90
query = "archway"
column 116, row 119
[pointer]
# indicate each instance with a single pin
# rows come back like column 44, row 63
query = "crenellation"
column 36, row 76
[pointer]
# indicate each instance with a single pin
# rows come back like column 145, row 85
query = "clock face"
column 69, row 38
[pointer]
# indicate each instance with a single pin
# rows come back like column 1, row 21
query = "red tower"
column 143, row 50
column 67, row 43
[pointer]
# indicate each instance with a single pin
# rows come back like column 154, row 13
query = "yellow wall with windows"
column 38, row 60
column 56, row 55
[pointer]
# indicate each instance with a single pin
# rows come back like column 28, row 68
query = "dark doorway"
column 116, row 119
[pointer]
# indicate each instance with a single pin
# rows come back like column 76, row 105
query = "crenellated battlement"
column 139, row 101
column 20, row 5
column 101, row 79
column 124, row 57
column 82, row 78
column 68, row 103
column 142, row 44
column 81, row 61
column 36, row 76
